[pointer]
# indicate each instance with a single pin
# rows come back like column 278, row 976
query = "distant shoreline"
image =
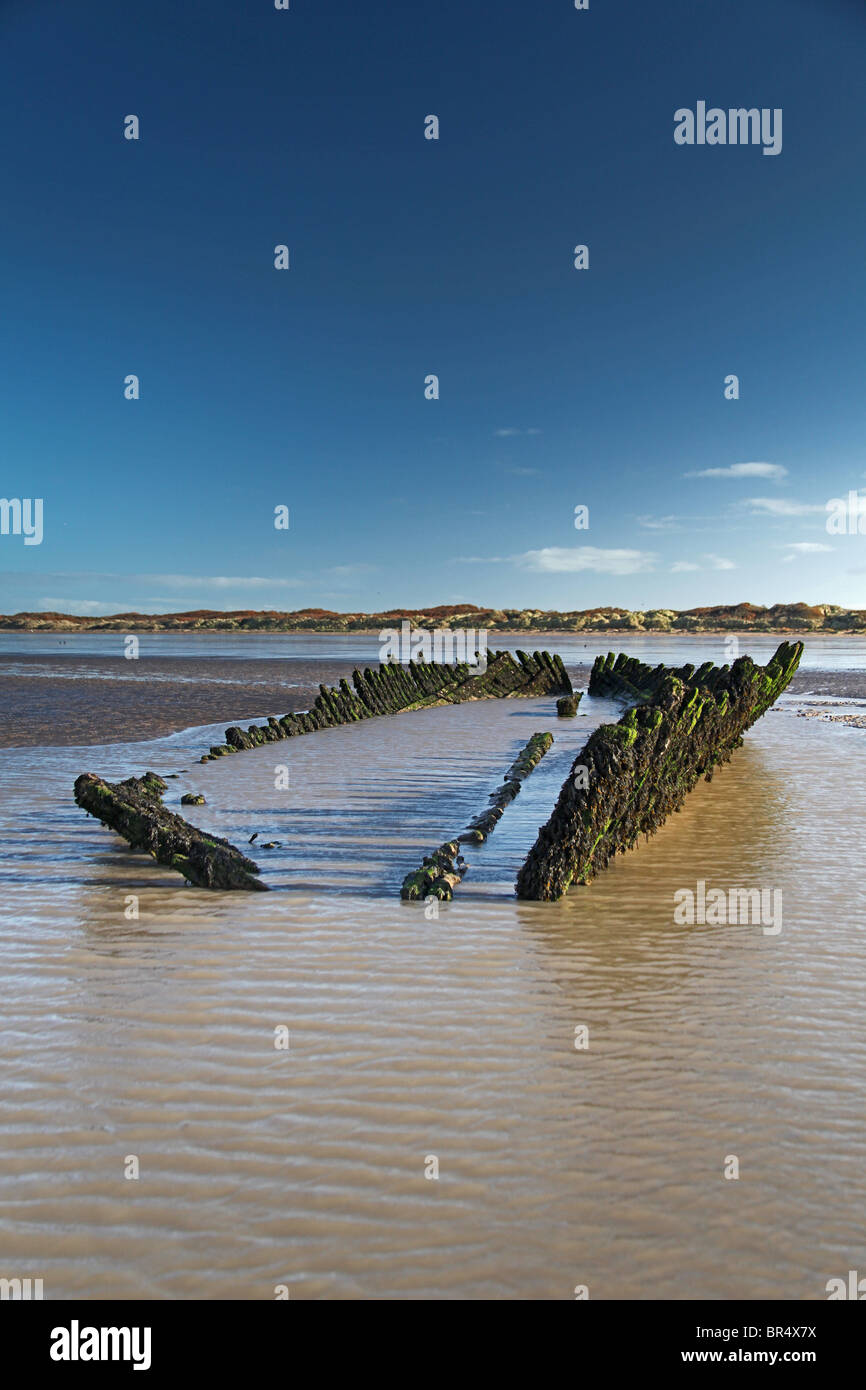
column 522, row 632
column 783, row 619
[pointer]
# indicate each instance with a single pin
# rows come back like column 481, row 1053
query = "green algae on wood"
column 134, row 809
column 566, row 705
column 635, row 773
column 437, row 876
column 398, row 689
column 441, row 871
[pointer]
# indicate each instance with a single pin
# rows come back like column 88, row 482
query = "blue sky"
column 409, row 257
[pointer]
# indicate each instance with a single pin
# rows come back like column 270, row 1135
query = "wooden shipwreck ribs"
column 441, row 871
column 682, row 724
column 134, row 808
column 396, row 689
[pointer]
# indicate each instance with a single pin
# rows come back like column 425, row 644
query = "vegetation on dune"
column 739, row 617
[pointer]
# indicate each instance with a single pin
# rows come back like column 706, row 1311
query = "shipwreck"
column 627, row 779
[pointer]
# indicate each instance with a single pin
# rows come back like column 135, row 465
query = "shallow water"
column 452, row 1037
column 822, row 651
column 81, row 689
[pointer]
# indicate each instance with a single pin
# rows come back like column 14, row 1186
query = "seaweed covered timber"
column 636, row 772
column 625, row 678
column 566, row 705
column 134, row 809
column 441, row 871
column 393, row 689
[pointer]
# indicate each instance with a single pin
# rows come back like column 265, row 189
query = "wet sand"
column 96, row 700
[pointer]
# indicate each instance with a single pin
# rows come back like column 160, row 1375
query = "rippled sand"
column 451, row 1037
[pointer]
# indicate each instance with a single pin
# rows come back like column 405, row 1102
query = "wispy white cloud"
column 781, row 506
column 482, row 559
column 713, row 562
column 742, row 470
column 805, row 547
column 84, row 607
column 571, row 560
column 219, row 581
column 659, row 523
column 511, row 433
column 524, row 472
column 349, row 571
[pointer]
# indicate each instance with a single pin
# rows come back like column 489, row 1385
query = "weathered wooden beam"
column 396, row 688
column 441, row 871
column 134, row 809
column 630, row 776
